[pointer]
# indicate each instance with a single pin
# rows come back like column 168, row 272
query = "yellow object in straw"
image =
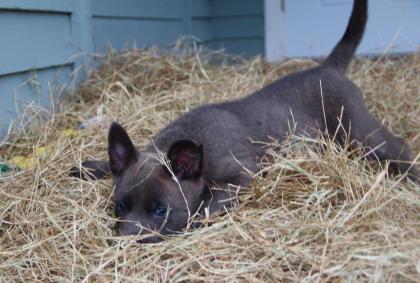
column 22, row 162
column 28, row 162
column 42, row 150
column 69, row 132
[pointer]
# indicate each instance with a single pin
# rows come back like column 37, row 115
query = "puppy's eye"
column 120, row 208
column 160, row 211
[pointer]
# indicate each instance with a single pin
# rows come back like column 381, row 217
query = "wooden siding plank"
column 81, row 23
column 122, row 33
column 237, row 7
column 247, row 46
column 273, row 31
column 62, row 6
column 34, row 40
column 244, row 26
column 18, row 90
column 201, row 8
column 201, row 28
column 159, row 9
column 233, row 21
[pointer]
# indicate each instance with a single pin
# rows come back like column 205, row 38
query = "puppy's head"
column 150, row 197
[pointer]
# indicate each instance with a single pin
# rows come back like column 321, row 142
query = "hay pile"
column 312, row 215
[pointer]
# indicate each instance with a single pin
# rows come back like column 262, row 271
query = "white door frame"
column 273, row 30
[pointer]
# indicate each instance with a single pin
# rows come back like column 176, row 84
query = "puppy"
column 210, row 146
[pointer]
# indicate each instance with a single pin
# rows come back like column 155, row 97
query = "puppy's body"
column 210, row 145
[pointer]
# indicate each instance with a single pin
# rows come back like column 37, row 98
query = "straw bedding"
column 310, row 215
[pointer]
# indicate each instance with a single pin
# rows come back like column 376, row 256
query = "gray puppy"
column 210, row 146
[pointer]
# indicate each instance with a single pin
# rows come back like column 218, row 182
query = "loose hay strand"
column 309, row 215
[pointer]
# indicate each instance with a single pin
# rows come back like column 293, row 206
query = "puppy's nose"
column 127, row 228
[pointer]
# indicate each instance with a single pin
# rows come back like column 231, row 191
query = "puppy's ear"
column 121, row 150
column 186, row 159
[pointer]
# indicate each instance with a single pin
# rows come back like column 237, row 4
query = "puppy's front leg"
column 224, row 195
column 91, row 169
column 233, row 174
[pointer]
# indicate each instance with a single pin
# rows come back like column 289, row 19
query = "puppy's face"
column 149, row 197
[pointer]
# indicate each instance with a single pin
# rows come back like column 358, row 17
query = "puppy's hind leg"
column 381, row 144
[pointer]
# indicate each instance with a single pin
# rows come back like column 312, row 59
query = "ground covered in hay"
column 312, row 216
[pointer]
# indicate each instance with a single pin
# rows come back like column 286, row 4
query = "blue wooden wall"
column 39, row 40
column 236, row 26
column 44, row 41
column 217, row 23
column 137, row 22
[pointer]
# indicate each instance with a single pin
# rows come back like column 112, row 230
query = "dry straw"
column 310, row 215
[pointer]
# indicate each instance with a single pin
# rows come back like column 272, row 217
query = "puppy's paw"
column 91, row 170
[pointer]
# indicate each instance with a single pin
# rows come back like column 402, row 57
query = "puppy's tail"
column 340, row 57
